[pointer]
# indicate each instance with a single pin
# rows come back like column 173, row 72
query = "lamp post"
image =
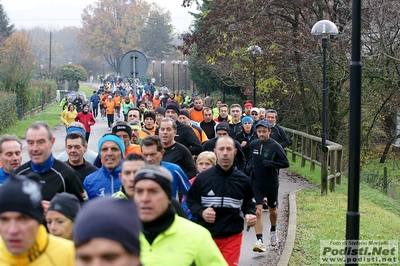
column 153, row 63
column 179, row 66
column 185, row 65
column 254, row 51
column 162, row 72
column 173, row 62
column 325, row 28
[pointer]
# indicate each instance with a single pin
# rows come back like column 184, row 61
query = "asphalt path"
column 248, row 257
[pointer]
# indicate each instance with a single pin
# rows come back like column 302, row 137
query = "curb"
column 291, row 232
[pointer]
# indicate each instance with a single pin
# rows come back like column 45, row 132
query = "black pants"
column 110, row 119
column 87, row 136
column 95, row 111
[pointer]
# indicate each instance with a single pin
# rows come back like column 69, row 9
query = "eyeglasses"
column 254, row 114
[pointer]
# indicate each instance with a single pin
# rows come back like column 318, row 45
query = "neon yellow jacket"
column 183, row 243
column 47, row 250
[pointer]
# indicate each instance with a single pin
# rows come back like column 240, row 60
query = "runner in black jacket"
column 219, row 196
column 268, row 157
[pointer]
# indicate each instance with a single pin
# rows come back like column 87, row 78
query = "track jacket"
column 103, row 182
column 267, row 157
column 229, row 193
column 182, row 243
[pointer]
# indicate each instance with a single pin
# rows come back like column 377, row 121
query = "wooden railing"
column 308, row 148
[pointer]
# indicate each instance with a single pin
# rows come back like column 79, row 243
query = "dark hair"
column 151, row 140
column 207, row 109
column 76, row 135
column 135, row 109
column 134, row 157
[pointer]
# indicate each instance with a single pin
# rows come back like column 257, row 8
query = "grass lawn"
column 324, row 217
column 50, row 115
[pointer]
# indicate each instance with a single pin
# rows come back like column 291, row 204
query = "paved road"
column 287, row 184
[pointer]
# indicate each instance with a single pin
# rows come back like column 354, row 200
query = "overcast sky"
column 56, row 14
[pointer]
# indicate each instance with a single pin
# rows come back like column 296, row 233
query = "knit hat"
column 161, row 111
column 126, row 128
column 22, row 194
column 149, row 114
column 184, row 112
column 84, row 105
column 158, row 174
column 111, row 218
column 66, row 204
column 247, row 119
column 114, row 138
column 263, row 123
column 222, row 126
column 248, row 104
column 173, row 106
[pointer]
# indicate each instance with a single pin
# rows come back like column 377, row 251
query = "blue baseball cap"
column 263, row 123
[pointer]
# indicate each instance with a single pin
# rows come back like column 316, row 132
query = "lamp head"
column 324, row 28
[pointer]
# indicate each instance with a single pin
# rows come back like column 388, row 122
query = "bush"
column 8, row 110
column 40, row 92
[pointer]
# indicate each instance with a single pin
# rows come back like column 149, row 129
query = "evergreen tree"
column 156, row 36
column 5, row 27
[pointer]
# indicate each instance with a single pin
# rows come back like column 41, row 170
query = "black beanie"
column 66, row 204
column 158, row 174
column 173, row 106
column 126, row 128
column 149, row 114
column 111, row 218
column 22, row 194
column 222, row 126
column 184, row 112
column 161, row 111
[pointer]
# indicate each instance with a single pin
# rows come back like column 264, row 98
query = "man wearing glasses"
column 255, row 115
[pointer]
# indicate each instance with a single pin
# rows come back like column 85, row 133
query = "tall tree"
column 6, row 28
column 16, row 63
column 156, row 36
column 111, row 28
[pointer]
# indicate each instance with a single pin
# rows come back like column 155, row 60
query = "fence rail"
column 309, row 148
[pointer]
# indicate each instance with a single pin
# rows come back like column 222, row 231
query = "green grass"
column 88, row 90
column 324, row 217
column 50, row 115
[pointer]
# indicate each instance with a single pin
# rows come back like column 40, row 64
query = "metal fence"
column 309, row 148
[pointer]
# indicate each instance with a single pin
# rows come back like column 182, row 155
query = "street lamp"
column 325, row 28
column 254, row 51
column 162, row 72
column 185, row 65
column 153, row 63
column 179, row 66
column 173, row 62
